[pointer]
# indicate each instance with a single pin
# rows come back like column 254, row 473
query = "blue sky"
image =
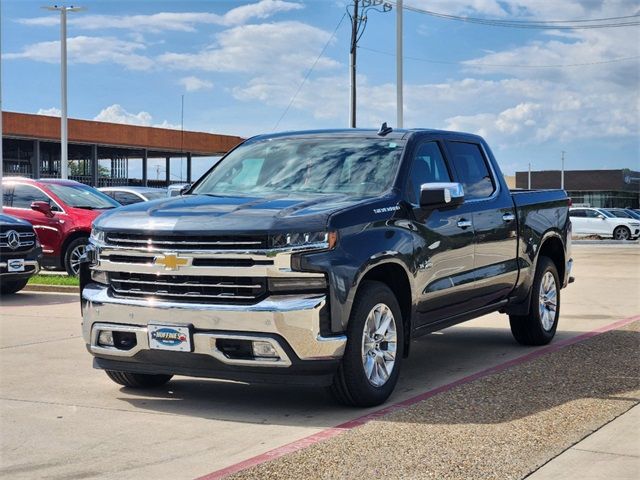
column 238, row 63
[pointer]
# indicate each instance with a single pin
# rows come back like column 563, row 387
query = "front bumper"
column 290, row 323
column 31, row 268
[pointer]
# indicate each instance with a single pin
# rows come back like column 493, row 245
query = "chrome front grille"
column 25, row 241
column 187, row 242
column 188, row 288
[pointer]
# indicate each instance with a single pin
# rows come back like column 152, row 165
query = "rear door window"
column 473, row 169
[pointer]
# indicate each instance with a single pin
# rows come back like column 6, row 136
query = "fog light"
column 105, row 339
column 264, row 350
column 100, row 277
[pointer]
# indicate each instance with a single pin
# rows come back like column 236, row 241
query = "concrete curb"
column 51, row 288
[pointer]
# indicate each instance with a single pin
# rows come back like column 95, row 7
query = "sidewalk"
column 611, row 452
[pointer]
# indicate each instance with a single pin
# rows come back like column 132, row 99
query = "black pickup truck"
column 315, row 257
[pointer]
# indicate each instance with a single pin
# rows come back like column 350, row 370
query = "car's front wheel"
column 137, row 380
column 622, row 233
column 8, row 287
column 371, row 363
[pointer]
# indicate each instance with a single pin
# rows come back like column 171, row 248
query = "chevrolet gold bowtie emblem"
column 171, row 261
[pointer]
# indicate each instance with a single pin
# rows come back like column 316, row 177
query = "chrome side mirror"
column 441, row 194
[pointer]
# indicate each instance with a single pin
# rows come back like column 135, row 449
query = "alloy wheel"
column 379, row 345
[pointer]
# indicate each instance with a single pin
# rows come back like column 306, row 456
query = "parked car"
column 598, row 221
column 129, row 195
column 315, row 257
column 624, row 213
column 176, row 189
column 61, row 212
column 20, row 254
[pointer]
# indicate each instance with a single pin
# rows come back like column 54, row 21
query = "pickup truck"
column 315, row 258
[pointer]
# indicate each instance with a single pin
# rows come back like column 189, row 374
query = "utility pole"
column 562, row 172
column 399, row 99
column 529, row 181
column 64, row 157
column 358, row 25
column 352, row 64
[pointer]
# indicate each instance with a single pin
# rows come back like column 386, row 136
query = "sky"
column 532, row 93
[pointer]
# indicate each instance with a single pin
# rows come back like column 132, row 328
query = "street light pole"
column 562, row 172
column 64, row 157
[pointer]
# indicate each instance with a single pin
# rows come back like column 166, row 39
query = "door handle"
column 462, row 223
column 508, row 217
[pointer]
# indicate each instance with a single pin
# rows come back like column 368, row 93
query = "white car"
column 597, row 221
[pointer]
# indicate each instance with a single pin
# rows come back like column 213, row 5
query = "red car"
column 61, row 212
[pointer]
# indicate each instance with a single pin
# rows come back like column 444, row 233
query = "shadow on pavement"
column 574, row 372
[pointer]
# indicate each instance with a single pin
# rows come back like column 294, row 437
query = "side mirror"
column 601, row 217
column 441, row 194
column 42, row 207
column 185, row 189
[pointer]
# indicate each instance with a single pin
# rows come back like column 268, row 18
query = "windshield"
column 82, row 196
column 619, row 213
column 355, row 166
column 605, row 213
column 633, row 214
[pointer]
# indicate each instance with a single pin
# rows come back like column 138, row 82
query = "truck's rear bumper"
column 291, row 324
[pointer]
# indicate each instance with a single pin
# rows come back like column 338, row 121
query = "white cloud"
column 117, row 114
column 265, row 47
column 170, row 21
column 91, row 50
column 51, row 112
column 193, row 84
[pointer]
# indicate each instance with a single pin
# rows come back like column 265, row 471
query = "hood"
column 9, row 221
column 210, row 214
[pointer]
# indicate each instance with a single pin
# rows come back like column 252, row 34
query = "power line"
column 304, row 80
column 581, row 24
column 466, row 63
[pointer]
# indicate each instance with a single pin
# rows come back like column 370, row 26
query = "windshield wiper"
column 89, row 207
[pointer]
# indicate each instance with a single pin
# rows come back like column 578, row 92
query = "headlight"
column 316, row 239
column 97, row 235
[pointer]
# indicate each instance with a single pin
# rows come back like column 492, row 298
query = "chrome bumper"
column 294, row 318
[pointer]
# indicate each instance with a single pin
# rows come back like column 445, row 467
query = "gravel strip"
column 503, row 426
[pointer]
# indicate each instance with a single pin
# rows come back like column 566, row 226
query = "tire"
column 539, row 326
column 72, row 254
column 11, row 287
column 138, row 380
column 621, row 233
column 351, row 384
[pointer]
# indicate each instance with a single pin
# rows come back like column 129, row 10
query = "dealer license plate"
column 166, row 337
column 15, row 265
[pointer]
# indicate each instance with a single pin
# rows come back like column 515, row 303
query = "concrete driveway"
column 59, row 418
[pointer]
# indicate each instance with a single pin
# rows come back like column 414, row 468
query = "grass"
column 54, row 280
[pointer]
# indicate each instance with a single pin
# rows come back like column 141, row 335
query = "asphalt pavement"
column 60, row 418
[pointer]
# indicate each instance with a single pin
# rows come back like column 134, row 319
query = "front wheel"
column 9, row 287
column 74, row 253
column 371, row 363
column 539, row 326
column 138, row 380
column 622, row 233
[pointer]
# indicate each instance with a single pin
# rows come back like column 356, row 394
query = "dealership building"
column 595, row 188
column 105, row 154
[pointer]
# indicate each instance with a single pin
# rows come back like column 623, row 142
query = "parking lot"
column 62, row 419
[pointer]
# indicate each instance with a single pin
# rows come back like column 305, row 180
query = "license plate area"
column 169, row 337
column 15, row 265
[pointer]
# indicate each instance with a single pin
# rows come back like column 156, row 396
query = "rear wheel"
column 138, row 380
column 74, row 253
column 371, row 362
column 9, row 287
column 539, row 326
column 622, row 233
